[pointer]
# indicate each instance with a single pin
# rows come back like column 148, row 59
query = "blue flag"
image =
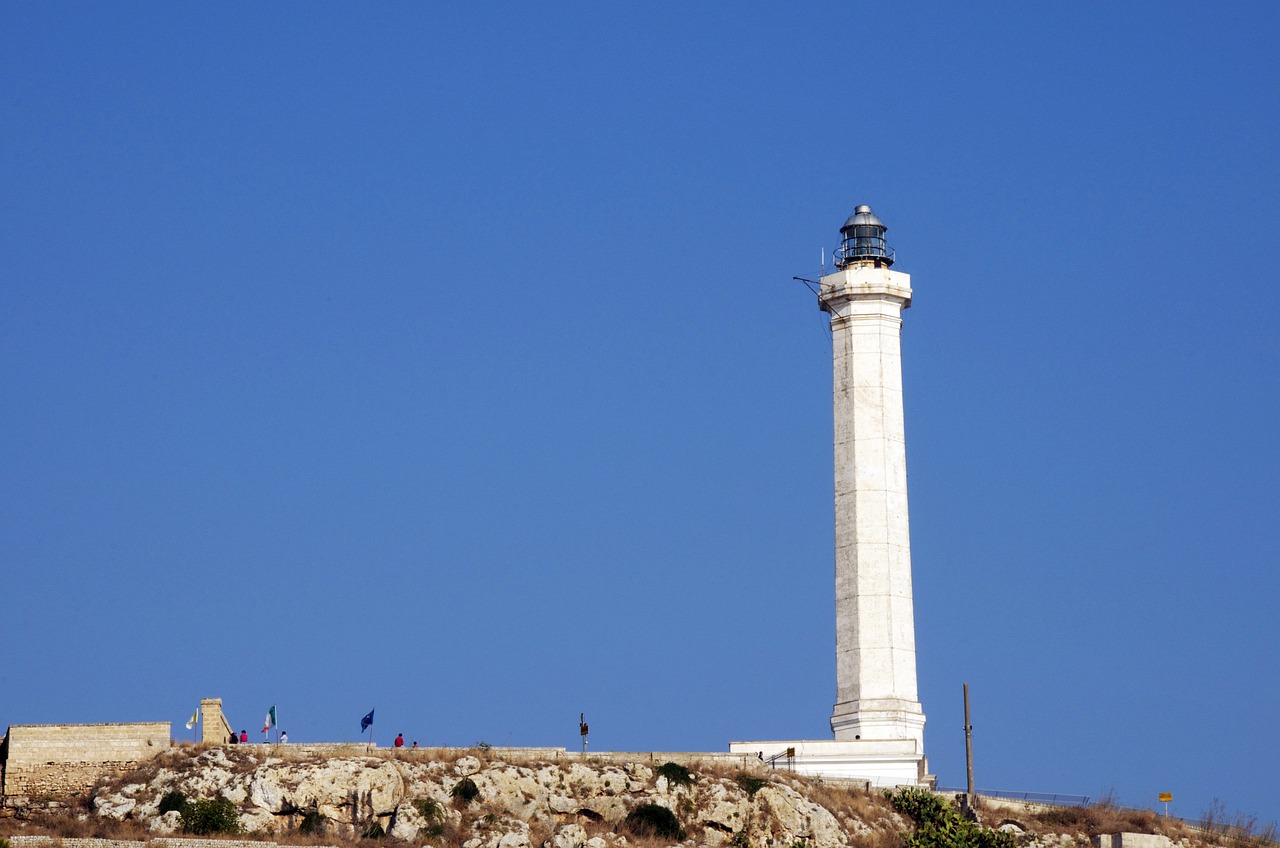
column 366, row 722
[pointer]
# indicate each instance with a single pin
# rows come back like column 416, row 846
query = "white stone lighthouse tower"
column 875, row 628
column 877, row 722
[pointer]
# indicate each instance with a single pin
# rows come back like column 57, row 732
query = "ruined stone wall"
column 45, row 760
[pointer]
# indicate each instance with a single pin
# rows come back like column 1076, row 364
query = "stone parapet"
column 50, row 760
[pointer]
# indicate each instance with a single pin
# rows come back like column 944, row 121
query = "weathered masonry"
column 47, row 760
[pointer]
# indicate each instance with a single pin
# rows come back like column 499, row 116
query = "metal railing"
column 853, row 252
column 1058, row 798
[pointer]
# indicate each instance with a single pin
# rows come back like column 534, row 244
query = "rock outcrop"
column 516, row 805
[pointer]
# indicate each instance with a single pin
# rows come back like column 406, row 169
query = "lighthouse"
column 877, row 722
column 875, row 628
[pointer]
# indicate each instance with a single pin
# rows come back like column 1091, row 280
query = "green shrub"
column 920, row 805
column 740, row 840
column 751, row 785
column 676, row 774
column 213, row 816
column 4, row 843
column 173, row 800
column 428, row 809
column 940, row 825
column 313, row 823
column 465, row 790
column 653, row 820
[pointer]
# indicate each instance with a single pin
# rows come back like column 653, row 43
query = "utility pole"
column 968, row 750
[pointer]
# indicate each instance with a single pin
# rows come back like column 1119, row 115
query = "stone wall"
column 46, row 760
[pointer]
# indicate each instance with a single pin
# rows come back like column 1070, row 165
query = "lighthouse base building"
column 877, row 722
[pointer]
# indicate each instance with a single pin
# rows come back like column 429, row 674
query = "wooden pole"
column 968, row 749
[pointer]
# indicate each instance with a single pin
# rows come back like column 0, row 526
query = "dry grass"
column 67, row 825
column 1096, row 819
column 1237, row 830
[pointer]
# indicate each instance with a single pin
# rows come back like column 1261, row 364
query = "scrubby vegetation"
column 676, row 774
column 465, row 791
column 653, row 820
column 173, row 801
column 313, row 824
column 939, row 823
column 216, row 815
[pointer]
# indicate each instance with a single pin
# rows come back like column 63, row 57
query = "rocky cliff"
column 418, row 797
column 475, row 799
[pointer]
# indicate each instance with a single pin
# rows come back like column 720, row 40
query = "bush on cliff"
column 940, row 825
column 313, row 823
column 465, row 790
column 676, row 774
column 213, row 816
column 653, row 820
column 173, row 801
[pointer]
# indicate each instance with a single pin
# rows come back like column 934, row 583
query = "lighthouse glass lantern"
column 862, row 240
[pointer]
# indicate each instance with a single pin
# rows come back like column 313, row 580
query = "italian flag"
column 270, row 721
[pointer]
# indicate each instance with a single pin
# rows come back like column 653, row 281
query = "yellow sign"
column 1166, row 796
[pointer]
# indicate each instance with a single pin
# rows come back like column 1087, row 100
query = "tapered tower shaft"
column 875, row 630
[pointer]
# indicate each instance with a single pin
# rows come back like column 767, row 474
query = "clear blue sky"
column 445, row 359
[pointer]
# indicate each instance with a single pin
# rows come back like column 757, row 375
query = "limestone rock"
column 794, row 817
column 255, row 820
column 341, row 790
column 115, row 806
column 724, row 809
column 499, row 832
column 409, row 823
column 610, row 808
column 163, row 825
column 466, row 766
column 639, row 773
column 569, row 836
column 563, row 804
column 515, row 790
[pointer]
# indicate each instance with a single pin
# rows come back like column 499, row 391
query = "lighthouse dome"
column 863, row 217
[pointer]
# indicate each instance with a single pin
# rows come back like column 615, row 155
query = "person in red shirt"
column 399, row 740
column 244, row 737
